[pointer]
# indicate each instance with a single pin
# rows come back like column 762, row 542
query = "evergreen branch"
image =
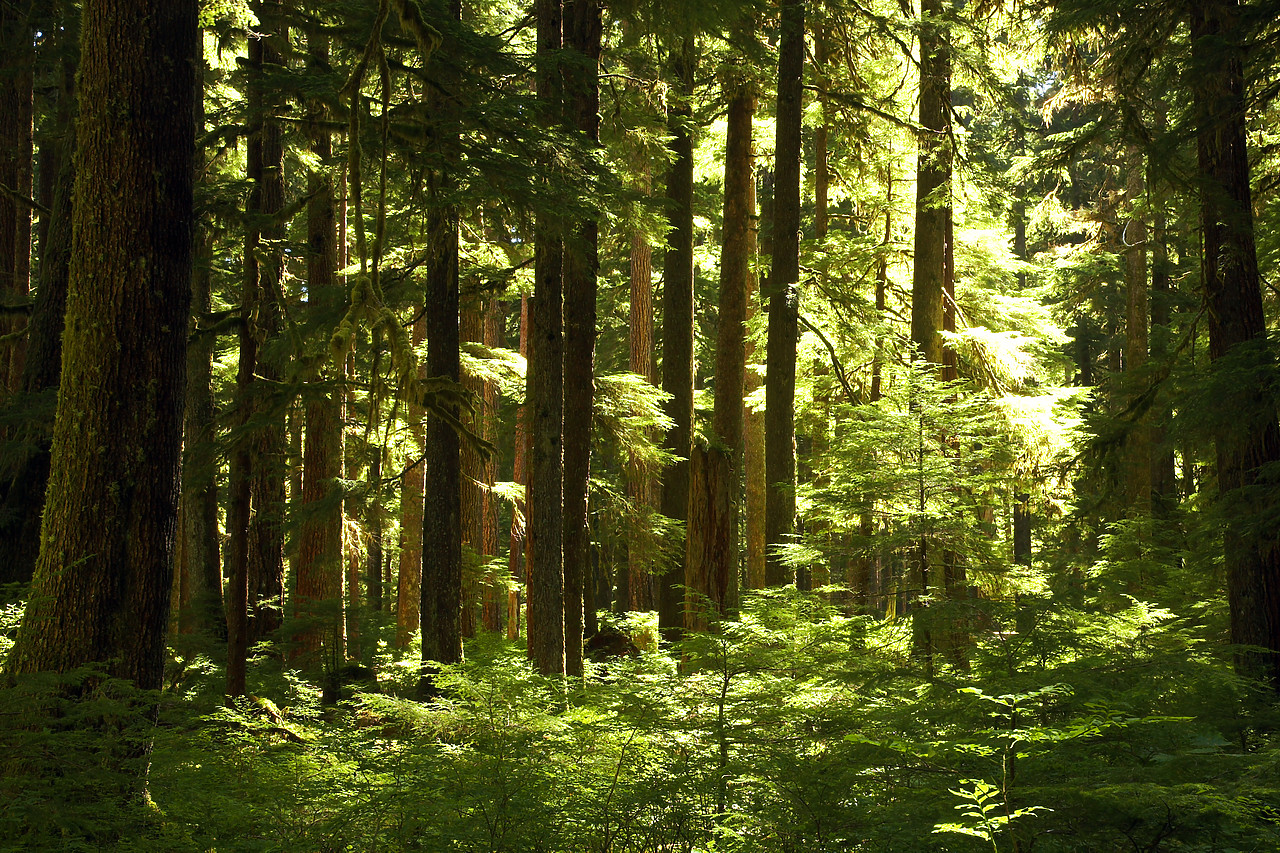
column 835, row 360
column 26, row 201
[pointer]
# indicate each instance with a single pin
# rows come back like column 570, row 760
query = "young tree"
column 102, row 580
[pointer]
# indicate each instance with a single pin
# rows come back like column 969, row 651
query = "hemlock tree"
column 102, row 580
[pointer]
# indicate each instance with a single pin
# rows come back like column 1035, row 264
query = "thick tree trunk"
column 545, row 394
column 493, row 603
column 677, row 324
column 441, row 609
column 711, row 567
column 582, row 35
column 270, row 451
column 102, row 581
column 783, row 292
column 409, row 583
column 1164, row 485
column 317, row 599
column 933, row 180
column 635, row 588
column 1237, row 331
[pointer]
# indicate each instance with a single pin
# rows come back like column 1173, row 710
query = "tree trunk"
column 784, row 277
column 711, row 568
column 270, row 451
column 1237, row 333
column 520, row 476
column 409, row 583
column 200, row 602
column 933, row 184
column 441, row 609
column 582, row 35
column 1138, row 444
column 317, row 598
column 16, row 67
column 471, row 330
column 635, row 588
column 491, row 611
column 102, row 580
column 545, row 394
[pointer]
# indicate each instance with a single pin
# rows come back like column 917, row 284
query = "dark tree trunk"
column 520, row 476
column 102, row 581
column 677, row 324
column 933, row 180
column 17, row 57
column 582, row 35
column 545, row 394
column 471, row 330
column 441, row 608
column 201, row 599
column 268, row 464
column 1237, row 331
column 783, row 293
column 711, row 567
column 1138, row 443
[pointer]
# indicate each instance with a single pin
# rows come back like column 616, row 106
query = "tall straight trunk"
column 711, row 566
column 677, row 323
column 270, row 449
column 1164, row 486
column 471, row 330
column 821, row 134
column 753, row 430
column 24, row 489
column 441, row 608
column 492, row 605
column 17, row 57
column 102, row 580
column 784, row 294
column 200, row 601
column 635, row 588
column 1237, row 330
column 545, row 392
column 582, row 35
column 317, row 599
column 1138, row 445
column 933, row 184
column 373, row 560
column 409, row 577
column 520, row 476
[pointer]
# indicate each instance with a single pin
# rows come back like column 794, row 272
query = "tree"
column 582, row 36
column 1237, row 333
column 544, row 392
column 783, row 295
column 711, row 567
column 102, row 580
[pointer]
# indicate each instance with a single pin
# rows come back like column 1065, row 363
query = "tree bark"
column 933, row 180
column 635, row 588
column 16, row 70
column 711, row 568
column 677, row 324
column 317, row 598
column 471, row 330
column 409, row 578
column 520, row 476
column 784, row 280
column 1138, row 444
column 582, row 35
column 102, row 581
column 1237, row 331
column 545, row 393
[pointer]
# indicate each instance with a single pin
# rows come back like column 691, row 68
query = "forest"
column 640, row 426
